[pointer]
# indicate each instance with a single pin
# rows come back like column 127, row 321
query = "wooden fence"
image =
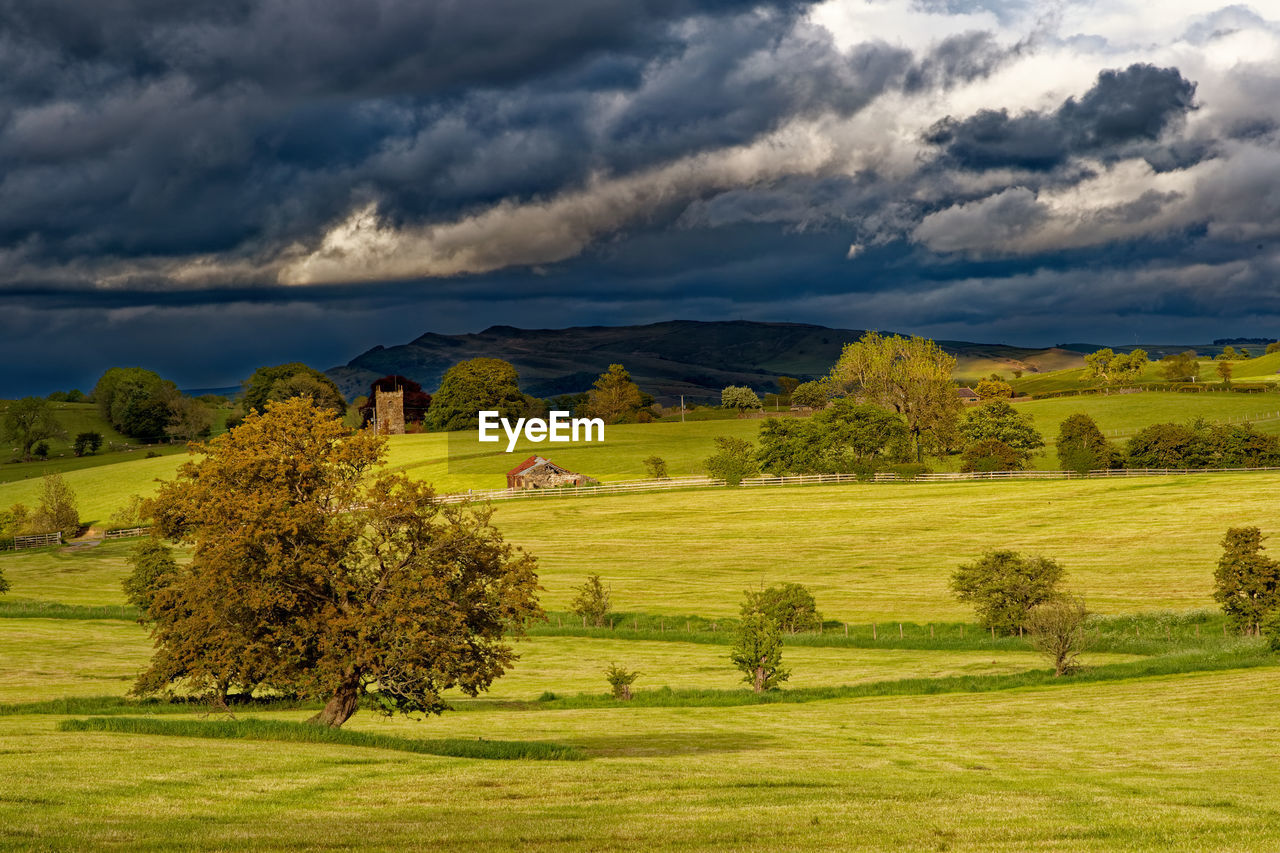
column 40, row 540
column 636, row 486
column 126, row 532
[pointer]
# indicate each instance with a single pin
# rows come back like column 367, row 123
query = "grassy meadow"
column 920, row 733
column 455, row 462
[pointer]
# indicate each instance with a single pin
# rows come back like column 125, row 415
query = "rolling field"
column 1182, row 758
column 458, row 461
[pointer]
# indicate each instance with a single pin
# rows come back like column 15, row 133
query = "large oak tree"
column 315, row 575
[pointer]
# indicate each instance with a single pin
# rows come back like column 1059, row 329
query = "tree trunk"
column 758, row 684
column 341, row 705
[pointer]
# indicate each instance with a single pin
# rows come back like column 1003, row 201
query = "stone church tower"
column 388, row 412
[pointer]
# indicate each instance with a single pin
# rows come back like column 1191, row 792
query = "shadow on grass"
column 278, row 730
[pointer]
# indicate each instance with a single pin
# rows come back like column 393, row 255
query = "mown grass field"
column 458, row 461
column 1182, row 759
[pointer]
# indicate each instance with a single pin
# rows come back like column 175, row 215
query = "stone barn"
column 539, row 473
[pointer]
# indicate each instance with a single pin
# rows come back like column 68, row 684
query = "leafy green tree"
column 1003, row 586
column 285, row 381
column 314, row 575
column 790, row 605
column 1225, row 369
column 1114, row 368
column 614, row 398
column 812, row 395
column 56, row 512
column 87, row 443
column 758, row 652
column 733, row 460
column 1247, row 581
column 1167, row 446
column 4, row 583
column 909, row 376
column 13, row 522
column 990, row 388
column 847, row 437
column 592, row 601
column 656, row 466
column 41, row 450
column 190, row 419
column 998, row 420
column 787, row 385
column 1274, row 346
column 29, row 421
column 1082, row 447
column 137, row 402
column 739, row 397
column 990, row 454
column 620, row 681
column 1229, row 353
column 1181, row 367
column 153, row 569
column 472, row 386
column 1059, row 631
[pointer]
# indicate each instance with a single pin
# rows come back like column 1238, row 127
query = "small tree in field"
column 656, row 466
column 592, row 601
column 87, row 443
column 1003, row 586
column 4, row 583
column 758, row 652
column 1247, row 581
column 56, row 512
column 734, row 459
column 1058, row 631
column 28, row 422
column 1225, row 369
column 993, row 387
column 790, row 605
column 620, row 681
column 739, row 397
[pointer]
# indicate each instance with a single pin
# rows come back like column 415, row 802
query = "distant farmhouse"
column 968, row 395
column 539, row 473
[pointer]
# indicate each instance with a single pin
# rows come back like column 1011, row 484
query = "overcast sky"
column 206, row 186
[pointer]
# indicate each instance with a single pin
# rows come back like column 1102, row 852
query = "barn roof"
column 526, row 465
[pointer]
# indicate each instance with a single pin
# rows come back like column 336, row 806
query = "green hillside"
column 458, row 461
column 1262, row 369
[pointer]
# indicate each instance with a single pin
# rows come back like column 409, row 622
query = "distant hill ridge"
column 667, row 359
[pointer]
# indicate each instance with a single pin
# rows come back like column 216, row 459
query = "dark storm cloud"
column 1124, row 107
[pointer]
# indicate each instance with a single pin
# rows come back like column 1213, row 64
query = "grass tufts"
column 279, row 730
column 57, row 610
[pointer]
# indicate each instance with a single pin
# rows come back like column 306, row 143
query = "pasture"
column 458, row 461
column 953, row 744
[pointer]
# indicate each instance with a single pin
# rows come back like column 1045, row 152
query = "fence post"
column 899, row 630
column 873, row 631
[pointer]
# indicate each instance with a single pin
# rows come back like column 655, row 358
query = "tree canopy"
column 998, row 420
column 910, row 376
column 1114, row 368
column 317, row 576
column 1082, row 447
column 29, row 421
column 739, row 397
column 472, row 386
column 848, row 437
column 733, row 460
column 614, row 398
column 286, row 381
column 812, row 395
column 1003, row 586
column 1246, row 581
column 1180, row 367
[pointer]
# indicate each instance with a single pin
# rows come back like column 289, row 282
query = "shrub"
column 41, row 450
column 656, row 466
column 991, row 454
column 592, row 601
column 812, row 395
column 1058, row 631
column 620, row 681
column 1082, row 447
column 4, row 583
column 790, row 605
column 1003, row 586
